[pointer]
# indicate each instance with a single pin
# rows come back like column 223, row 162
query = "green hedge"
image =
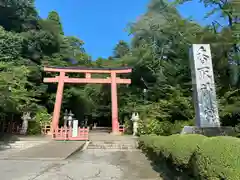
column 216, row 158
column 219, row 158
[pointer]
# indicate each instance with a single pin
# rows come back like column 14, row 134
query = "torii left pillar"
column 58, row 101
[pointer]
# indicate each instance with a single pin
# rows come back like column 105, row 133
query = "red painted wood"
column 58, row 101
column 65, row 133
column 94, row 71
column 62, row 78
column 87, row 80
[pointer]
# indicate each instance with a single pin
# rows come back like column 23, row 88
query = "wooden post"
column 88, row 75
column 58, row 101
column 114, row 103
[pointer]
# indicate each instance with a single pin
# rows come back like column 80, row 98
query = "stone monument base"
column 210, row 131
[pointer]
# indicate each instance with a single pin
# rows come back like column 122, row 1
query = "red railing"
column 65, row 133
column 46, row 129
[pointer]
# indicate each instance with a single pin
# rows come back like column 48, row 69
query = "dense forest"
column 161, row 89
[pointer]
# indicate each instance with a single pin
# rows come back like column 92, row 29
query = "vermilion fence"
column 65, row 133
column 46, row 129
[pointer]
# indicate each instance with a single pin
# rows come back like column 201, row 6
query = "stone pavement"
column 14, row 144
column 97, row 162
column 87, row 165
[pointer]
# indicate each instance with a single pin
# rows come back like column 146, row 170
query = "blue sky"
column 102, row 23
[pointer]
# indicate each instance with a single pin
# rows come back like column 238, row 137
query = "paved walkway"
column 94, row 163
column 87, row 165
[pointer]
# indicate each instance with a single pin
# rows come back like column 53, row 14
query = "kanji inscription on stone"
column 205, row 100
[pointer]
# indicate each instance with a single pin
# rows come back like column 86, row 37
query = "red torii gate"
column 62, row 78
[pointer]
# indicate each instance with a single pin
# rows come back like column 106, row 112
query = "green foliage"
column 10, row 45
column 195, row 156
column 219, row 158
column 181, row 148
column 128, row 125
column 121, row 49
column 34, row 128
column 15, row 95
column 18, row 15
column 42, row 116
column 55, row 19
column 153, row 126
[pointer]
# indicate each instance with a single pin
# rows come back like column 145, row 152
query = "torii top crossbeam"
column 95, row 70
column 112, row 79
column 88, row 72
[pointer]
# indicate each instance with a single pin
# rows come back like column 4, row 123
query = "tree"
column 18, row 15
column 121, row 49
column 54, row 18
column 11, row 45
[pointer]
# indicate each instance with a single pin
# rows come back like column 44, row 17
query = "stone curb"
column 76, row 150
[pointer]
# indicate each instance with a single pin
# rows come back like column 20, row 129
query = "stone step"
column 112, row 145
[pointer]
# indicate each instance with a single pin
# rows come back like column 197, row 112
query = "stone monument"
column 135, row 119
column 204, row 93
column 205, row 100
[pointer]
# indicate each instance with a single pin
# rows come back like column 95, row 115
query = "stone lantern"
column 26, row 118
column 70, row 118
column 65, row 118
column 135, row 119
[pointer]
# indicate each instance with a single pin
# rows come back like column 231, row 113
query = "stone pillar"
column 58, row 101
column 205, row 100
column 114, row 103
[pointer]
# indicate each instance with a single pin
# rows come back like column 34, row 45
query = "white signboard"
column 75, row 128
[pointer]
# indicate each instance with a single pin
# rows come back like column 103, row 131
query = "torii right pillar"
column 115, row 124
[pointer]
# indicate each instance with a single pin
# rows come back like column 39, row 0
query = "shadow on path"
column 6, row 140
column 166, row 170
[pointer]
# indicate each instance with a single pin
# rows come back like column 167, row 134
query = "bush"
column 34, row 128
column 182, row 147
column 216, row 158
column 128, row 126
column 163, row 128
column 41, row 117
column 153, row 126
